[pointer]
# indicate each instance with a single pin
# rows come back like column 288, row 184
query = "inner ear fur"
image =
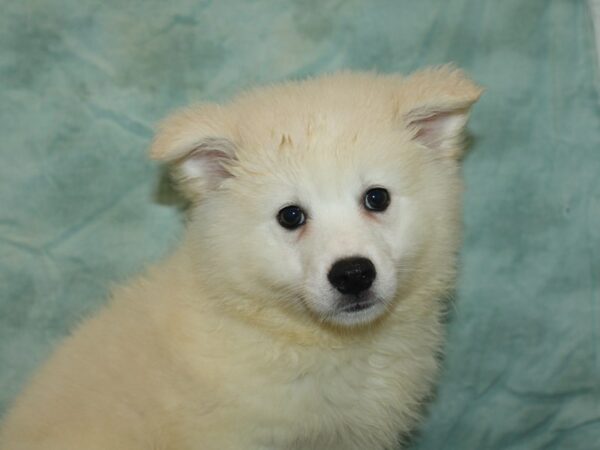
column 198, row 146
column 434, row 105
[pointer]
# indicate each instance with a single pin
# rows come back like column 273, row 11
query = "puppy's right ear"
column 196, row 143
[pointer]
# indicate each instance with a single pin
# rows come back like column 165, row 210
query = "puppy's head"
column 331, row 198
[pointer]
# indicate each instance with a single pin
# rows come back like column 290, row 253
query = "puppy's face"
column 329, row 197
column 334, row 233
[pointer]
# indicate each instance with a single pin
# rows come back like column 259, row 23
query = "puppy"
column 303, row 307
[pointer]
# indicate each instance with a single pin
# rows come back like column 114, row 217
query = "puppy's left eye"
column 291, row 217
column 377, row 199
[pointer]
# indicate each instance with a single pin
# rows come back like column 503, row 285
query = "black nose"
column 352, row 275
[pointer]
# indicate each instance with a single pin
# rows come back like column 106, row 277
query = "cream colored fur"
column 229, row 343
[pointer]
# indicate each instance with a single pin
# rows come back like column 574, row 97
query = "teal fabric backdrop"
column 83, row 82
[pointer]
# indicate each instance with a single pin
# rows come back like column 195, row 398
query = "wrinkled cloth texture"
column 83, row 82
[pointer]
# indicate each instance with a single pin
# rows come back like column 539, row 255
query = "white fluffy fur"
column 234, row 341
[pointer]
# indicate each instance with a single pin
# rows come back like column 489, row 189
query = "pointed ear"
column 197, row 144
column 436, row 105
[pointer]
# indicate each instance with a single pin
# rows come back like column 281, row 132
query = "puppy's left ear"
column 436, row 104
column 196, row 142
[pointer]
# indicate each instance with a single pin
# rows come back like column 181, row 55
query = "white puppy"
column 303, row 309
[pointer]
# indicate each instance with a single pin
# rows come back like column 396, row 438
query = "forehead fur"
column 314, row 114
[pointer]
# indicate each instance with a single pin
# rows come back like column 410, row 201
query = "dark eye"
column 291, row 217
column 377, row 199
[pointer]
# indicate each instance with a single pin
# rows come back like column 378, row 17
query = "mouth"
column 358, row 311
column 358, row 306
column 354, row 310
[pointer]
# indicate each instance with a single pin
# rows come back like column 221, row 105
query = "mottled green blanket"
column 82, row 82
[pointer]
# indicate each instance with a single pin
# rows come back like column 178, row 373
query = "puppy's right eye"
column 377, row 199
column 291, row 217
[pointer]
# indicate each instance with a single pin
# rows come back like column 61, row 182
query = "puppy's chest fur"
column 356, row 397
